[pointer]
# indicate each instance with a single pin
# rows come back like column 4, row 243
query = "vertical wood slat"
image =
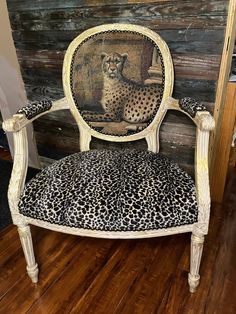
column 220, row 104
column 224, row 143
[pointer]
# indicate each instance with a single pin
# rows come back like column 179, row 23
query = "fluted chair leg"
column 195, row 260
column 27, row 245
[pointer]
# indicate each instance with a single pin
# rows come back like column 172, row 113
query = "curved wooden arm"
column 202, row 119
column 19, row 121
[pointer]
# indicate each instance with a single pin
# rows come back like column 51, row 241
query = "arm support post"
column 18, row 175
column 205, row 123
column 202, row 181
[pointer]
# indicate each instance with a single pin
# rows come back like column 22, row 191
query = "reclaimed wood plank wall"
column 194, row 31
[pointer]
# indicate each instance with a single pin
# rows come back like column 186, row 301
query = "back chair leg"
column 195, row 260
column 27, row 245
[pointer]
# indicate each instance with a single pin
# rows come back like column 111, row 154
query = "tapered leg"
column 195, row 260
column 27, row 245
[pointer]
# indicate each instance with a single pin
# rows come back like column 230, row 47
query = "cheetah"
column 123, row 99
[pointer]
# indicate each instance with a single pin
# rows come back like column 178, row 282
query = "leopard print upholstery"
column 35, row 108
column 112, row 190
column 191, row 106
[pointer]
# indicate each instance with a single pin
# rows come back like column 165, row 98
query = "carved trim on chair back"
column 123, row 127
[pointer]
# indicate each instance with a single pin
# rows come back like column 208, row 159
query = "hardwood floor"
column 85, row 275
column 5, row 154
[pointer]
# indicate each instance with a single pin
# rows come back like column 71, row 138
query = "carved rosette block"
column 196, row 254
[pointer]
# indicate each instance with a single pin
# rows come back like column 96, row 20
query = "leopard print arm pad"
column 191, row 106
column 35, row 108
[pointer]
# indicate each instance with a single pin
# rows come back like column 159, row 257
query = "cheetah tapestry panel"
column 117, row 82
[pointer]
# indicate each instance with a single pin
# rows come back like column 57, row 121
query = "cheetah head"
column 112, row 64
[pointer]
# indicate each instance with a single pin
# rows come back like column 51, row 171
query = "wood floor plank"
column 179, row 290
column 84, row 267
column 5, row 154
column 224, row 270
column 12, row 262
column 7, row 236
column 156, row 280
column 104, row 286
column 21, row 297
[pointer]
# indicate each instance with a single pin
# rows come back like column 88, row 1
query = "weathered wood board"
column 193, row 30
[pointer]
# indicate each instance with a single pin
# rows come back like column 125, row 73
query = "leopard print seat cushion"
column 124, row 190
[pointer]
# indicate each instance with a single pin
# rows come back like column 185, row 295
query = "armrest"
column 34, row 109
column 17, row 124
column 31, row 112
column 195, row 111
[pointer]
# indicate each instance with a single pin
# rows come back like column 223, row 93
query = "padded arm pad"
column 191, row 106
column 35, row 108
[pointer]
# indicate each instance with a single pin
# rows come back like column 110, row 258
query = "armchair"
column 107, row 193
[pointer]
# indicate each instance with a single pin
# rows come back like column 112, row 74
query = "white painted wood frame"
column 203, row 121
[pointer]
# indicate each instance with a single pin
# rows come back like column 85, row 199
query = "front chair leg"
column 195, row 260
column 27, row 245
